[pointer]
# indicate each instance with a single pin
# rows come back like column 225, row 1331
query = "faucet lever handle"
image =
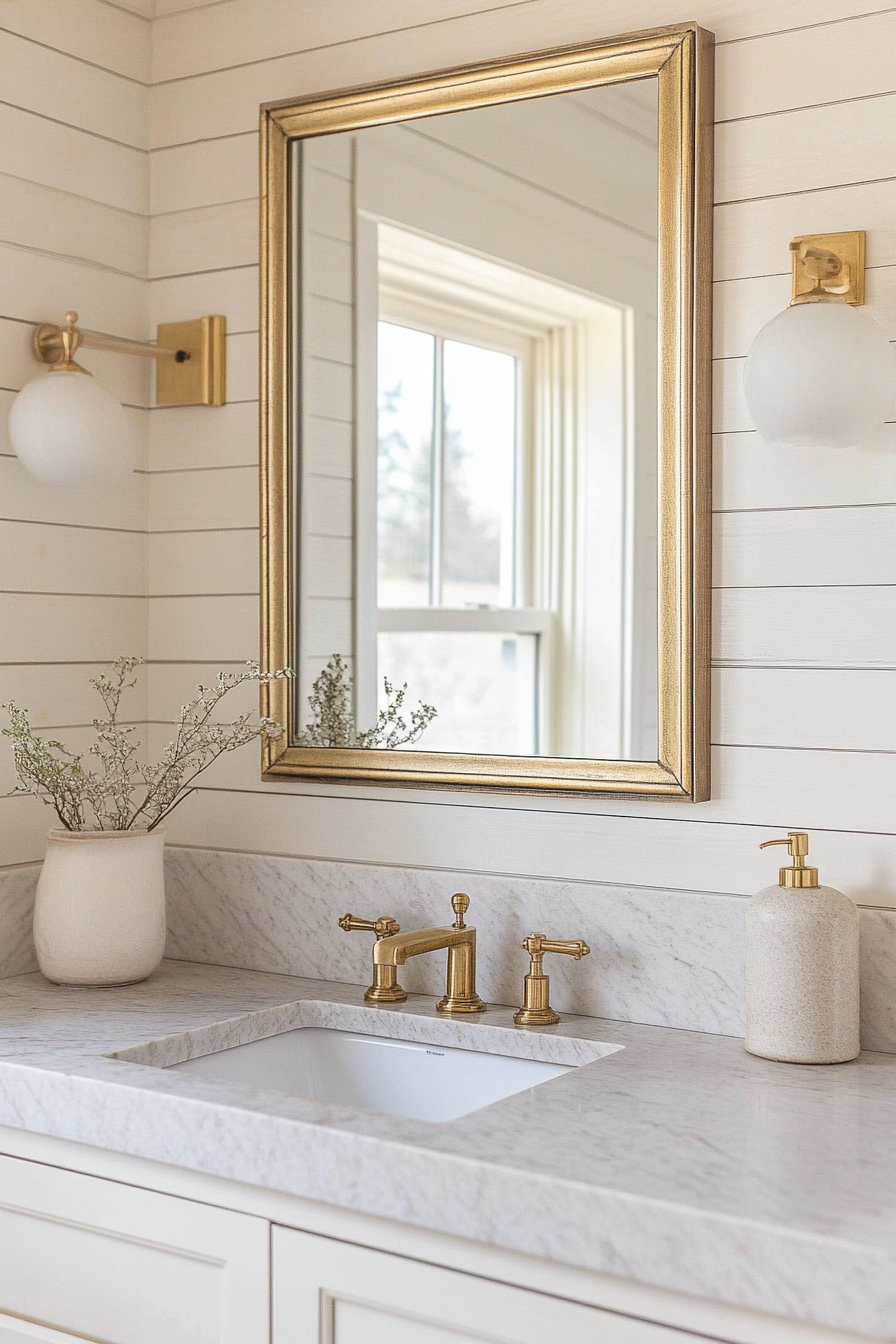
column 536, row 1010
column 385, row 987
column 537, row 944
column 383, row 927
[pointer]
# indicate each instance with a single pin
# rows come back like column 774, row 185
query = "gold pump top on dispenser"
column 798, row 874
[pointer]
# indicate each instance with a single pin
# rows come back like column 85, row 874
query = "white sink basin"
column 373, row 1073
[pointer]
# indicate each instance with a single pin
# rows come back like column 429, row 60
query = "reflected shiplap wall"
column 805, row 563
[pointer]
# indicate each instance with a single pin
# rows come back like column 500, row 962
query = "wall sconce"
column 67, row 430
column 821, row 374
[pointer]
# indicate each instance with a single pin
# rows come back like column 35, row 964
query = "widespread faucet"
column 460, row 992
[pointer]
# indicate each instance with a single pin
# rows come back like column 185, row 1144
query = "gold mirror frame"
column 681, row 58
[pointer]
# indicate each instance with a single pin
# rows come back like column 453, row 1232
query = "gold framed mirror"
column 485, row 392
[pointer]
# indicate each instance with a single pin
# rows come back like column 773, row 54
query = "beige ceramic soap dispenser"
column 802, row 967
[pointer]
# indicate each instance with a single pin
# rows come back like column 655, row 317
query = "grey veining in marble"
column 17, row 888
column 666, row 958
column 678, row 1160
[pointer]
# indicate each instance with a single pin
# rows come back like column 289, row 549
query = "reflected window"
column 449, row 457
column 447, row 450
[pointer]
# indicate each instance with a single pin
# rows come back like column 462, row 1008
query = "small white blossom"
column 122, row 793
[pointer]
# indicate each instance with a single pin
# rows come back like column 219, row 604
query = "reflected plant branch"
column 333, row 719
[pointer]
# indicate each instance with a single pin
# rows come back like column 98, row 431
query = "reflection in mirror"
column 477, row 430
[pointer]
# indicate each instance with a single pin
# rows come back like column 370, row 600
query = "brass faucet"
column 460, row 993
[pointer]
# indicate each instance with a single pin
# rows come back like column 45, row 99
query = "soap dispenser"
column 802, row 981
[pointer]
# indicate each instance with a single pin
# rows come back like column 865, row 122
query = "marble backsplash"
column 660, row 957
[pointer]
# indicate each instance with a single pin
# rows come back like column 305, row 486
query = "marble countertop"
column 678, row 1160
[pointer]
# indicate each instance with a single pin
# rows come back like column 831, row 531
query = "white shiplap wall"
column 805, row 588
column 805, row 654
column 74, row 232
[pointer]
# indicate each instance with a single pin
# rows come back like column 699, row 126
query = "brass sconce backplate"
column 200, row 379
column 829, row 266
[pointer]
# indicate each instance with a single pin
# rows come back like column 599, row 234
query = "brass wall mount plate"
column 200, row 380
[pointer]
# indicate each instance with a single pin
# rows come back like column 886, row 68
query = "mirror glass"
column 475, row 430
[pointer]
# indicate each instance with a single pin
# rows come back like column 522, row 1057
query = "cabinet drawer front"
column 329, row 1292
column 128, row 1266
column 15, row 1331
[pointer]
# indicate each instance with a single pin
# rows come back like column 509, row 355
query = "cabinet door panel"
column 128, row 1266
column 329, row 1292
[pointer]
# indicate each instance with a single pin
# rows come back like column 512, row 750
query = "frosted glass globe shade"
column 69, row 431
column 820, row 375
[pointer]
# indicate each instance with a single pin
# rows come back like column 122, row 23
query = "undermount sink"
column 415, row 1079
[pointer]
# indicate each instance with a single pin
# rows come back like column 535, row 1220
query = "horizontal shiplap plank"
column 188, row 501
column 327, row 447
column 327, row 267
column 47, row 558
column 327, row 204
column 329, row 389
column 828, row 708
column 185, row 437
column 776, row 788
column 61, row 156
column 748, row 474
column 327, row 505
column 203, row 562
column 24, row 823
column 328, row 565
column 825, row 63
column 72, row 92
column 101, row 34
column 227, row 101
column 257, row 30
column 329, row 331
column 50, row 220
column 213, row 238
column 38, row 629
column 811, row 547
column 203, row 629
column 170, row 685
column 41, row 288
column 233, row 293
column 751, row 237
column 821, row 627
column 54, row 694
column 212, row 172
column 327, row 624
column 26, row 499
column 460, row 836
column 806, row 149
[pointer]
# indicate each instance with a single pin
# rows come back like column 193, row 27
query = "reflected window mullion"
column 437, row 477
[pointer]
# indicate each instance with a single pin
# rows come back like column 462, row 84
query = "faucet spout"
column 397, row 949
column 460, row 993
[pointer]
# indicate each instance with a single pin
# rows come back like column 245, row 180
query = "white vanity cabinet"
column 331, row 1292
column 125, row 1251
column 97, row 1259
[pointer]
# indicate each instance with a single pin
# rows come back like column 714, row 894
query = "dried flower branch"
column 121, row 793
column 333, row 721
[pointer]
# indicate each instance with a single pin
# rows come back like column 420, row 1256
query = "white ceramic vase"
column 99, row 916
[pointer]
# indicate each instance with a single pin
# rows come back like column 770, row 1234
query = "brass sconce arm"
column 190, row 355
